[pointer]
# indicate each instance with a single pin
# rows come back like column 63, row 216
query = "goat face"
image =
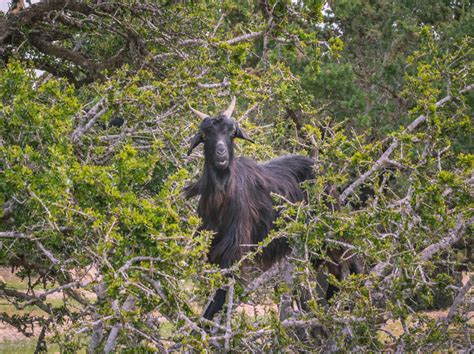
column 217, row 134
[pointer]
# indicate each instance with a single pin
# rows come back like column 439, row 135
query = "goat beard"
column 219, row 177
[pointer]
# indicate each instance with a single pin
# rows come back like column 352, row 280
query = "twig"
column 160, row 346
column 375, row 167
column 52, row 224
column 247, row 112
column 41, row 343
column 300, row 323
column 98, row 324
column 74, row 284
column 137, row 259
column 340, row 243
column 25, row 297
column 47, row 253
column 230, row 304
column 158, row 287
column 193, row 325
column 286, row 300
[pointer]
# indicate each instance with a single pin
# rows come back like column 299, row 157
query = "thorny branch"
column 454, row 235
column 385, row 156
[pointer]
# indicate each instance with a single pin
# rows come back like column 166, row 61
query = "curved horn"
column 199, row 114
column 228, row 112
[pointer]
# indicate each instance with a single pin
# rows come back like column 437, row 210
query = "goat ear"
column 239, row 133
column 195, row 141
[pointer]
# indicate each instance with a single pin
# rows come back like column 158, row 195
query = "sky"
column 5, row 4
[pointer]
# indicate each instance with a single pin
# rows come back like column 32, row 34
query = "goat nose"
column 220, row 150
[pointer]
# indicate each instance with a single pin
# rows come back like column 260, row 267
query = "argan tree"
column 94, row 129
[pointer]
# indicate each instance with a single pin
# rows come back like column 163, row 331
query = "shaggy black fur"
column 240, row 209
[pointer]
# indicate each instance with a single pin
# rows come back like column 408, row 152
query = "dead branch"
column 89, row 120
column 454, row 236
column 128, row 305
column 98, row 324
column 245, row 37
column 12, row 234
column 458, row 301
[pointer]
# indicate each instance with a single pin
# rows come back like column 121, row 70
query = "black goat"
column 235, row 195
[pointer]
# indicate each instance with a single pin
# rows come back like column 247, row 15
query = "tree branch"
column 273, row 272
column 230, row 304
column 92, row 69
column 245, row 37
column 128, row 305
column 12, row 234
column 30, row 299
column 224, row 83
column 91, row 118
column 35, row 13
column 454, row 236
column 457, row 301
column 137, row 259
column 381, row 161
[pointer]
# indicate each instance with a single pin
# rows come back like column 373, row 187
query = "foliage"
column 93, row 161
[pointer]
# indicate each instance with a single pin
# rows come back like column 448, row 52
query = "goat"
column 235, row 196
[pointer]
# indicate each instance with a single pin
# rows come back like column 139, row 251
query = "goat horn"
column 228, row 112
column 199, row 114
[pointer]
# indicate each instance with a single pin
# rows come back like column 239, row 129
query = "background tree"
column 93, row 160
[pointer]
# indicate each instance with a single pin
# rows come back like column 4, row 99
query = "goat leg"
column 216, row 304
